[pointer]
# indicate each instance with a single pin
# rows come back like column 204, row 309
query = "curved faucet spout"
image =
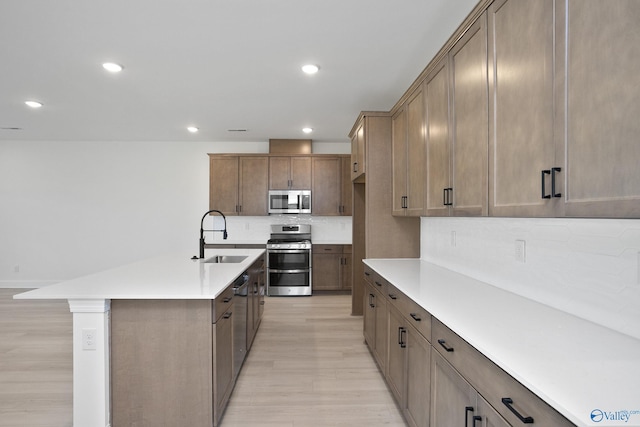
column 202, row 230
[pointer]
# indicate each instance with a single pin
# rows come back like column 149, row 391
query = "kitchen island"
column 586, row 372
column 165, row 293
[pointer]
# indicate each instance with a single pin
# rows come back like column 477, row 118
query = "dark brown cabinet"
column 238, row 184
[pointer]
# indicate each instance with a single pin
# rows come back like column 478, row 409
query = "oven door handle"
column 288, row 251
column 300, row 270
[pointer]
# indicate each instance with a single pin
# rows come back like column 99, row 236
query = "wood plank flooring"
column 36, row 379
column 308, row 366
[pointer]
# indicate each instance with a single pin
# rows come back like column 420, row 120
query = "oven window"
column 289, row 261
column 289, row 279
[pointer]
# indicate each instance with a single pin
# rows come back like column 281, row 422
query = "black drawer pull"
column 227, row 299
column 415, row 317
column 366, row 273
column 401, row 331
column 443, row 344
column 393, row 296
column 476, row 418
column 467, row 409
column 378, row 283
column 544, row 195
column 508, row 402
column 553, row 182
column 227, row 315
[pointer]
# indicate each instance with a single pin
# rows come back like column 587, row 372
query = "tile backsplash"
column 587, row 267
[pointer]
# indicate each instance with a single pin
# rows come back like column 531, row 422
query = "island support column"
column 91, row 395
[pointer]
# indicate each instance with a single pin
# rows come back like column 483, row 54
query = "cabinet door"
column 602, row 109
column 451, row 395
column 301, row 173
column 416, row 409
column 437, row 145
column 397, row 352
column 382, row 331
column 326, row 185
column 223, row 184
column 254, row 176
column 279, row 173
column 347, row 187
column 399, row 155
column 358, row 153
column 326, row 271
column 521, row 37
column 370, row 301
column 469, row 132
column 346, row 270
column 416, row 175
column 223, row 362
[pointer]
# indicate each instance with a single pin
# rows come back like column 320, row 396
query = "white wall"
column 587, row 267
column 68, row 209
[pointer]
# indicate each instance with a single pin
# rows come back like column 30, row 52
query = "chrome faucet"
column 202, row 230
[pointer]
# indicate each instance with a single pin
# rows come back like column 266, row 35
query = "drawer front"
column 326, row 249
column 376, row 280
column 397, row 299
column 222, row 303
column 419, row 318
column 510, row 398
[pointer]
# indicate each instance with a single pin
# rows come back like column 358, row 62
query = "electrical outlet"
column 453, row 239
column 520, row 250
column 89, row 341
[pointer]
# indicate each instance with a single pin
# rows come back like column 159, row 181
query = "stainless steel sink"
column 225, row 259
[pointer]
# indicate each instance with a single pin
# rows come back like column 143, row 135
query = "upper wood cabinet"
column 327, row 187
column 347, row 187
column 408, row 140
column 521, row 125
column 601, row 108
column 456, row 126
column 289, row 172
column 358, row 147
column 467, row 194
column 238, row 184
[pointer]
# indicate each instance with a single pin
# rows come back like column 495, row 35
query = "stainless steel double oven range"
column 289, row 260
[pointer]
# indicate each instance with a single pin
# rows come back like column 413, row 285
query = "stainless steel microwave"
column 289, row 201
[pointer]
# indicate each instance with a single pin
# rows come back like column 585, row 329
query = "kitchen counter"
column 165, row 277
column 171, row 277
column 576, row 366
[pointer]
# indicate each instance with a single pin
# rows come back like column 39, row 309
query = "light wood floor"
column 308, row 366
column 35, row 362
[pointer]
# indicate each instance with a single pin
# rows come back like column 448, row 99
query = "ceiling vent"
column 290, row 146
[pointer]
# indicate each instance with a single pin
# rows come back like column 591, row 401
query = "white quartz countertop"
column 166, row 277
column 576, row 366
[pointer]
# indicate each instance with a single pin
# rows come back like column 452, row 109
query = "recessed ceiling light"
column 33, row 104
column 192, row 129
column 307, row 130
column 112, row 67
column 310, row 68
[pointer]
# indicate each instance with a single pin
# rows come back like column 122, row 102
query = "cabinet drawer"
column 492, row 382
column 419, row 318
column 376, row 280
column 326, row 249
column 221, row 304
column 398, row 299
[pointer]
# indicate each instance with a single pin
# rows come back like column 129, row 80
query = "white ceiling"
column 215, row 64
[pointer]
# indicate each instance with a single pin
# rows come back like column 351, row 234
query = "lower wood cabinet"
column 222, row 362
column 436, row 377
column 331, row 267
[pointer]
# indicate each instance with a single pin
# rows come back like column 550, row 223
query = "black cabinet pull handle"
column 467, row 409
column 371, row 297
column 378, row 283
column 449, row 201
column 443, row 344
column 401, row 331
column 227, row 315
column 415, row 317
column 355, row 167
column 392, row 296
column 227, row 299
column 366, row 273
column 508, row 402
column 553, row 182
column 545, row 172
column 476, row 418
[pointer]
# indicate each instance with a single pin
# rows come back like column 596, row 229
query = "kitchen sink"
column 225, row 259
